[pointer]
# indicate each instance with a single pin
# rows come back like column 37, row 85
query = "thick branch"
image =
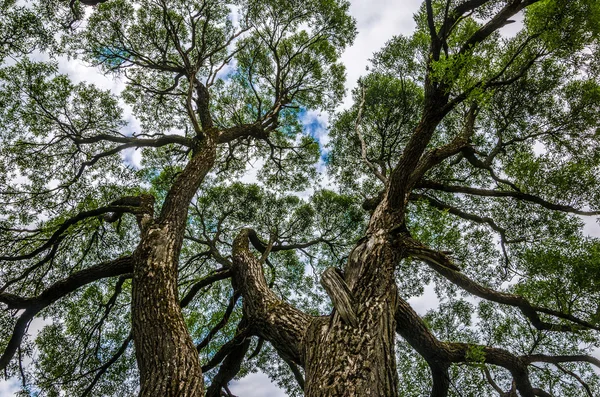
column 443, row 265
column 276, row 321
column 440, row 354
column 56, row 291
column 425, row 184
column 242, row 131
column 340, row 294
column 498, row 21
column 399, row 185
column 456, row 14
column 175, row 207
column 134, row 141
column 436, row 95
column 230, row 367
column 440, row 378
column 439, row 154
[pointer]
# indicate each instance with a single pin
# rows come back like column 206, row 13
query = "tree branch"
column 242, row 131
column 118, row 206
column 340, row 294
column 56, row 291
column 221, row 323
column 363, row 145
column 278, row 322
column 498, row 21
column 218, row 275
column 134, row 141
column 230, row 367
column 102, row 370
column 426, row 184
column 439, row 154
column 443, row 265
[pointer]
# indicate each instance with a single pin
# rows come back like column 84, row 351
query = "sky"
column 377, row 22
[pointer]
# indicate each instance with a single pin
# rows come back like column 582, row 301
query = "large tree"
column 466, row 163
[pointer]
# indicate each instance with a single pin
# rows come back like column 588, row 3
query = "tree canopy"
column 221, row 237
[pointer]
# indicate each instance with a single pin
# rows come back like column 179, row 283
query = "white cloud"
column 591, row 227
column 8, row 387
column 256, row 385
column 423, row 303
column 377, row 22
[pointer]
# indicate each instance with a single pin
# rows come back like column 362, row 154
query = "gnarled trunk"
column 349, row 353
column 346, row 360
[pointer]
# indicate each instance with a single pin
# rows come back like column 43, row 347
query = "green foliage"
column 564, row 274
column 22, row 29
column 476, row 355
column 536, row 132
column 389, row 115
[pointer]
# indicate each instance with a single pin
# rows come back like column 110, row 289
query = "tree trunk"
column 343, row 360
column 351, row 352
column 166, row 356
column 340, row 357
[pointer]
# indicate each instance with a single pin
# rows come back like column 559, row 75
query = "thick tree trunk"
column 166, row 356
column 278, row 322
column 342, row 355
column 346, row 360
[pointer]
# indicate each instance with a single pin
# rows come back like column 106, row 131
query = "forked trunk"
column 351, row 352
column 346, row 360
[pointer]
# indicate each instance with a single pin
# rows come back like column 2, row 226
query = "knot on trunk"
column 340, row 294
column 141, row 206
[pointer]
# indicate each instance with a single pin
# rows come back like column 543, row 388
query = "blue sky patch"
column 316, row 127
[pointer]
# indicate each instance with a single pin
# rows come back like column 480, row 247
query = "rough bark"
column 341, row 296
column 276, row 321
column 346, row 360
column 166, row 355
column 340, row 357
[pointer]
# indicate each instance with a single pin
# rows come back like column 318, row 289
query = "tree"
column 469, row 152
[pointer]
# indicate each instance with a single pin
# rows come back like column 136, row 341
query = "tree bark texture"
column 346, row 360
column 276, row 321
column 340, row 357
column 166, row 355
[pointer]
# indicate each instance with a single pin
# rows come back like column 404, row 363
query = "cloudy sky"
column 377, row 22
